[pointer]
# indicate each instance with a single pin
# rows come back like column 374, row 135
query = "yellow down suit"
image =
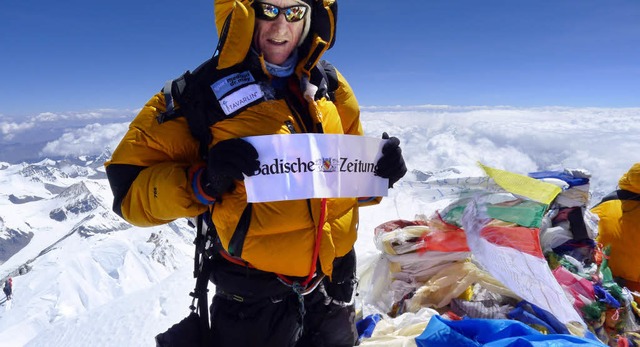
column 619, row 227
column 148, row 170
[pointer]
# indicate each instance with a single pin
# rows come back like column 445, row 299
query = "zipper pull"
column 290, row 126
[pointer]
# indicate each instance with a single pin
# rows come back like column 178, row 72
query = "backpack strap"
column 190, row 96
column 176, row 86
column 330, row 75
column 202, row 267
column 325, row 78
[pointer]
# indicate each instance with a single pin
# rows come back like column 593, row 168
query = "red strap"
column 316, row 248
column 234, row 260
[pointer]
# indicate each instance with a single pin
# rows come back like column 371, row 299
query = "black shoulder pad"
column 325, row 77
column 190, row 96
column 332, row 75
column 183, row 88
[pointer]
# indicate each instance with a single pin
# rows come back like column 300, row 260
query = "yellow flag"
column 523, row 185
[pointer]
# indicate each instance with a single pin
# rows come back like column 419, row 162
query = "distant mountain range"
column 56, row 218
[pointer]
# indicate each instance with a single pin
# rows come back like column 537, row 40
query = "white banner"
column 302, row 166
column 526, row 275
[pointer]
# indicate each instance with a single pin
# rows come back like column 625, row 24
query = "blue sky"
column 78, row 55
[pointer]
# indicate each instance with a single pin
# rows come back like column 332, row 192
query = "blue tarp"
column 366, row 325
column 493, row 333
column 570, row 179
column 531, row 314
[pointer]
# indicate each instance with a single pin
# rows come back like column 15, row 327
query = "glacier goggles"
column 270, row 12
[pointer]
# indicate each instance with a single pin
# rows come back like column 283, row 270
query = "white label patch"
column 240, row 98
column 223, row 86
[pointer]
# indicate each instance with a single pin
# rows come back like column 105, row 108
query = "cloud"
column 92, row 115
column 12, row 129
column 433, row 136
column 603, row 141
column 99, row 114
column 49, row 117
column 9, row 129
column 93, row 139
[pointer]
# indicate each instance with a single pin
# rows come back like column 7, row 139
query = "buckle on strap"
column 229, row 296
column 303, row 290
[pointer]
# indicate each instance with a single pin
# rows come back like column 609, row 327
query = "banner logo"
column 327, row 164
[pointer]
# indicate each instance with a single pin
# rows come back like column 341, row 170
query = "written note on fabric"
column 525, row 274
column 302, row 166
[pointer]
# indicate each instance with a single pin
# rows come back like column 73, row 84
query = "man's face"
column 277, row 39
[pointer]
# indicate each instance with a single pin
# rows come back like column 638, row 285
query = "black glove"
column 391, row 164
column 227, row 161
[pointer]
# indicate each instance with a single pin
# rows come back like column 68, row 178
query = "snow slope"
column 90, row 279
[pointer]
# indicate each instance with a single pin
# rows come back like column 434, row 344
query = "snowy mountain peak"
column 43, row 172
column 80, row 198
column 84, row 165
column 76, row 190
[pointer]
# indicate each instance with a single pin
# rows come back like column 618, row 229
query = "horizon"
column 95, row 113
column 506, row 144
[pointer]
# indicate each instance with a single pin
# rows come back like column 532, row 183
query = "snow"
column 124, row 286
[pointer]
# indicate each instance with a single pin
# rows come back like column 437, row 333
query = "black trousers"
column 253, row 308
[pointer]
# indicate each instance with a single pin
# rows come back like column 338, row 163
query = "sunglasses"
column 271, row 12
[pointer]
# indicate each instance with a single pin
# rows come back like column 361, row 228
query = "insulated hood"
column 631, row 180
column 235, row 21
